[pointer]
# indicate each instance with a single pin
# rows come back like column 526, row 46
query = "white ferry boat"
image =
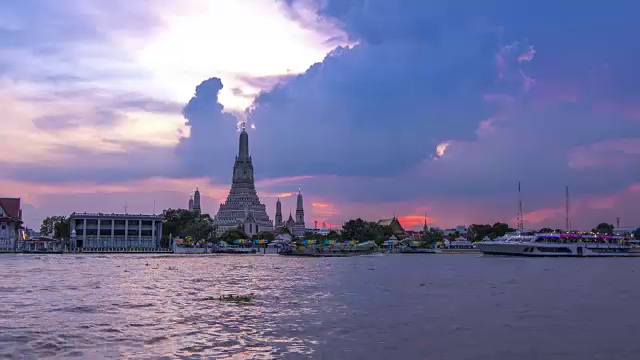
column 571, row 245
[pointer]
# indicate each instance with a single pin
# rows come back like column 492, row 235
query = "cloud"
column 212, row 139
column 95, row 134
column 496, row 92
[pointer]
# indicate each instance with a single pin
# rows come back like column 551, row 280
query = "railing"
column 113, row 215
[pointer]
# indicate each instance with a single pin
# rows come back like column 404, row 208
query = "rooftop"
column 12, row 207
column 114, row 215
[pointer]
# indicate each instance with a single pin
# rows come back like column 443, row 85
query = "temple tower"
column 242, row 207
column 300, row 226
column 278, row 213
column 196, row 201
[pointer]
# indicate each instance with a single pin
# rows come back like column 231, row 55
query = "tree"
column 433, row 235
column 184, row 223
column 266, row 235
column 333, row 235
column 308, row 235
column 201, row 231
column 232, row 234
column 546, row 230
column 604, row 228
column 176, row 220
column 353, row 229
column 56, row 225
column 480, row 231
column 362, row 230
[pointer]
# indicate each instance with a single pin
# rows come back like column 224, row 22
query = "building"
column 460, row 230
column 626, row 231
column 196, row 202
column 190, row 203
column 394, row 224
column 296, row 227
column 97, row 230
column 242, row 209
column 324, row 230
column 10, row 223
column 278, row 213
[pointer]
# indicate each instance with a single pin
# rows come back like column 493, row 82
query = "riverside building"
column 98, row 230
column 10, row 223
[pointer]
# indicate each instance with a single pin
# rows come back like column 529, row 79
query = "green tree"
column 500, row 229
column 362, row 230
column 435, row 235
column 200, row 231
column 58, row 225
column 176, row 220
column 353, row 229
column 604, row 228
column 333, row 235
column 232, row 234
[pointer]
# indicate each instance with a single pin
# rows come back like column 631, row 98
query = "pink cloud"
column 528, row 54
column 605, row 153
column 588, row 211
column 290, row 179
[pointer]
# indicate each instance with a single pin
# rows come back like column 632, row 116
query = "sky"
column 372, row 108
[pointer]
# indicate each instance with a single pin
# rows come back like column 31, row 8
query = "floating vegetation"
column 234, row 298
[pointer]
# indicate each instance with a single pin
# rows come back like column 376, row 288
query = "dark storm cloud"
column 213, row 140
column 424, row 72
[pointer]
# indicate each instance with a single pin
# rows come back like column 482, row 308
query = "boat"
column 560, row 245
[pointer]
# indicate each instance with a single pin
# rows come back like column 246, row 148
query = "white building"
column 98, row 230
column 10, row 223
column 460, row 229
column 625, row 231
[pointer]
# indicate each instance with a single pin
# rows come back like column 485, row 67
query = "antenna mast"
column 520, row 213
column 567, row 209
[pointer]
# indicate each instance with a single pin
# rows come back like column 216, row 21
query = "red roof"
column 12, row 207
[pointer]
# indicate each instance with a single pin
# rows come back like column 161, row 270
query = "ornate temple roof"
column 11, row 207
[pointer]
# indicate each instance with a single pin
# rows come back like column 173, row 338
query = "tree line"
column 197, row 229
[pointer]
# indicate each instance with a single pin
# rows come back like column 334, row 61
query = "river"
column 438, row 307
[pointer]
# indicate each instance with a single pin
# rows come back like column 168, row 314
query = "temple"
column 243, row 209
column 194, row 202
column 295, row 227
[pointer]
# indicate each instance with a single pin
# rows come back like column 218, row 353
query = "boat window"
column 554, row 250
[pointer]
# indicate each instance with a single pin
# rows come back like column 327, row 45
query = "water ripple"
column 414, row 307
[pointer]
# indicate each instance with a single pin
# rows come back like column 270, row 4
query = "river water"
column 370, row 307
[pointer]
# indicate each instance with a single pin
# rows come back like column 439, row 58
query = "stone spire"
column 243, row 196
column 300, row 226
column 278, row 213
column 196, row 201
column 243, row 151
